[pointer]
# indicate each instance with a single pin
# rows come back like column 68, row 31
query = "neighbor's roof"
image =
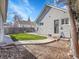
column 3, row 8
column 27, row 22
column 46, row 10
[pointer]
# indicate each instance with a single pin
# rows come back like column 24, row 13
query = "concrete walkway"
column 53, row 50
column 48, row 40
column 9, row 41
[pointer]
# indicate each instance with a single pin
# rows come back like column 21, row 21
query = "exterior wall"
column 10, row 30
column 25, row 25
column 66, row 30
column 48, row 26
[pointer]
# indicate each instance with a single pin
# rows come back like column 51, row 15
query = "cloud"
column 26, row 3
column 24, row 9
column 19, row 11
column 65, row 7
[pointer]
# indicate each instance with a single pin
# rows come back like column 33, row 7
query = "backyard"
column 53, row 50
column 25, row 36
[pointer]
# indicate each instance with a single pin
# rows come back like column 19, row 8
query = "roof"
column 61, row 9
column 3, row 8
column 26, row 22
column 19, row 20
column 43, row 13
column 23, row 22
column 46, row 10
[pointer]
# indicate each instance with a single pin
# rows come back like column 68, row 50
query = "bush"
column 13, row 38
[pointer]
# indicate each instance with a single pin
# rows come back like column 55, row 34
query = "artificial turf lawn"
column 24, row 36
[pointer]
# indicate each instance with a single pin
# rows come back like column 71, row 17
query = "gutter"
column 38, row 18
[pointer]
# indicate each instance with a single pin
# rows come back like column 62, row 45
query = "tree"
column 73, row 8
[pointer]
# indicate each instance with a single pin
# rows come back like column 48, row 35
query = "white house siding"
column 48, row 20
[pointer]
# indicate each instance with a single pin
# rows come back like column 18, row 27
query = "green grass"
column 24, row 36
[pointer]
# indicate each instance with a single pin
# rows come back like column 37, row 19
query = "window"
column 62, row 21
column 37, row 28
column 66, row 21
column 61, row 28
column 41, row 23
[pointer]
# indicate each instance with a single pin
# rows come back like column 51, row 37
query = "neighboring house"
column 53, row 21
column 19, row 26
column 7, row 28
column 7, row 25
column 18, row 22
column 28, row 25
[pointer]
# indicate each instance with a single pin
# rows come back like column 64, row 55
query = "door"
column 56, row 26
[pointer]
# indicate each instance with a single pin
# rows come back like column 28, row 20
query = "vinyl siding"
column 48, row 20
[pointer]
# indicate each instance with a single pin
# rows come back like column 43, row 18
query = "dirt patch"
column 55, row 50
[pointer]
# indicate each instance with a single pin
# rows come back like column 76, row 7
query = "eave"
column 43, row 13
column 3, row 9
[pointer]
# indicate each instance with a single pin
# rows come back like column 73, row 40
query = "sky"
column 25, row 9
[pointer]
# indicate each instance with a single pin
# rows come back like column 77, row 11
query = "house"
column 53, row 21
column 3, row 16
column 27, row 26
column 7, row 28
column 18, row 22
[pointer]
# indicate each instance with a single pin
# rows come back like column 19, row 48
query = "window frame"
column 66, row 20
column 62, row 21
column 41, row 23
